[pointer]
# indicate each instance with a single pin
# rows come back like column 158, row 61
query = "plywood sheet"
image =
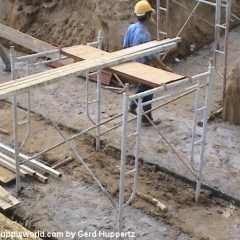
column 134, row 71
column 148, row 75
column 7, row 200
column 6, row 176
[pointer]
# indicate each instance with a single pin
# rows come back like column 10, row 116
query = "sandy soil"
column 67, row 23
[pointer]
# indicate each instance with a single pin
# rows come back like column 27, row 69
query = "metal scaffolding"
column 172, row 90
column 220, row 25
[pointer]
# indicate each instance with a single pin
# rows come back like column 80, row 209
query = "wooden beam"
column 28, row 170
column 24, row 40
column 27, row 83
column 29, row 42
column 41, row 177
column 32, row 163
column 7, row 200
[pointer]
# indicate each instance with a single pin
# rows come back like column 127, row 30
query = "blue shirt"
column 136, row 34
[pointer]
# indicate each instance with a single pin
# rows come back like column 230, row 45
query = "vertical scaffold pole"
column 98, row 130
column 99, row 39
column 99, row 80
column 15, row 124
column 123, row 162
column 204, row 133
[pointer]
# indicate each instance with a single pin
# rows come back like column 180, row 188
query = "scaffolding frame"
column 99, row 65
column 97, row 125
column 170, row 92
column 219, row 25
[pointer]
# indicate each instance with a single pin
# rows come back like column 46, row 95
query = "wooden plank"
column 86, row 51
column 24, row 171
column 142, row 73
column 12, row 161
column 29, row 42
column 105, row 78
column 7, row 200
column 134, row 71
column 25, row 84
column 41, row 178
column 24, row 40
column 11, row 167
column 82, row 52
column 6, row 176
column 32, row 163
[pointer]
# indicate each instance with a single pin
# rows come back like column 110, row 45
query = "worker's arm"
column 156, row 62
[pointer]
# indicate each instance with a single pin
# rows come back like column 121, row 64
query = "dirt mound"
column 232, row 96
column 71, row 22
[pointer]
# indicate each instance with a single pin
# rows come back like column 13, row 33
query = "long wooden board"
column 25, row 84
column 129, row 70
column 11, row 167
column 28, row 170
column 7, row 200
column 24, row 40
column 6, row 176
column 32, row 163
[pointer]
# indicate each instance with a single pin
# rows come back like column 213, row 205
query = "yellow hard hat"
column 142, row 7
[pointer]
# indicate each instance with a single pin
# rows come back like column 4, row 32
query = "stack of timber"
column 9, row 164
column 40, row 167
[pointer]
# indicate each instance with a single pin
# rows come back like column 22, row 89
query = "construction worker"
column 137, row 33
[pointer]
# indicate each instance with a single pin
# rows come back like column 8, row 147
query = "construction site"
column 76, row 164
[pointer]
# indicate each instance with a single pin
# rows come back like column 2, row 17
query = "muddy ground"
column 75, row 203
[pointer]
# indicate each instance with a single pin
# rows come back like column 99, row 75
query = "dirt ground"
column 75, row 202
